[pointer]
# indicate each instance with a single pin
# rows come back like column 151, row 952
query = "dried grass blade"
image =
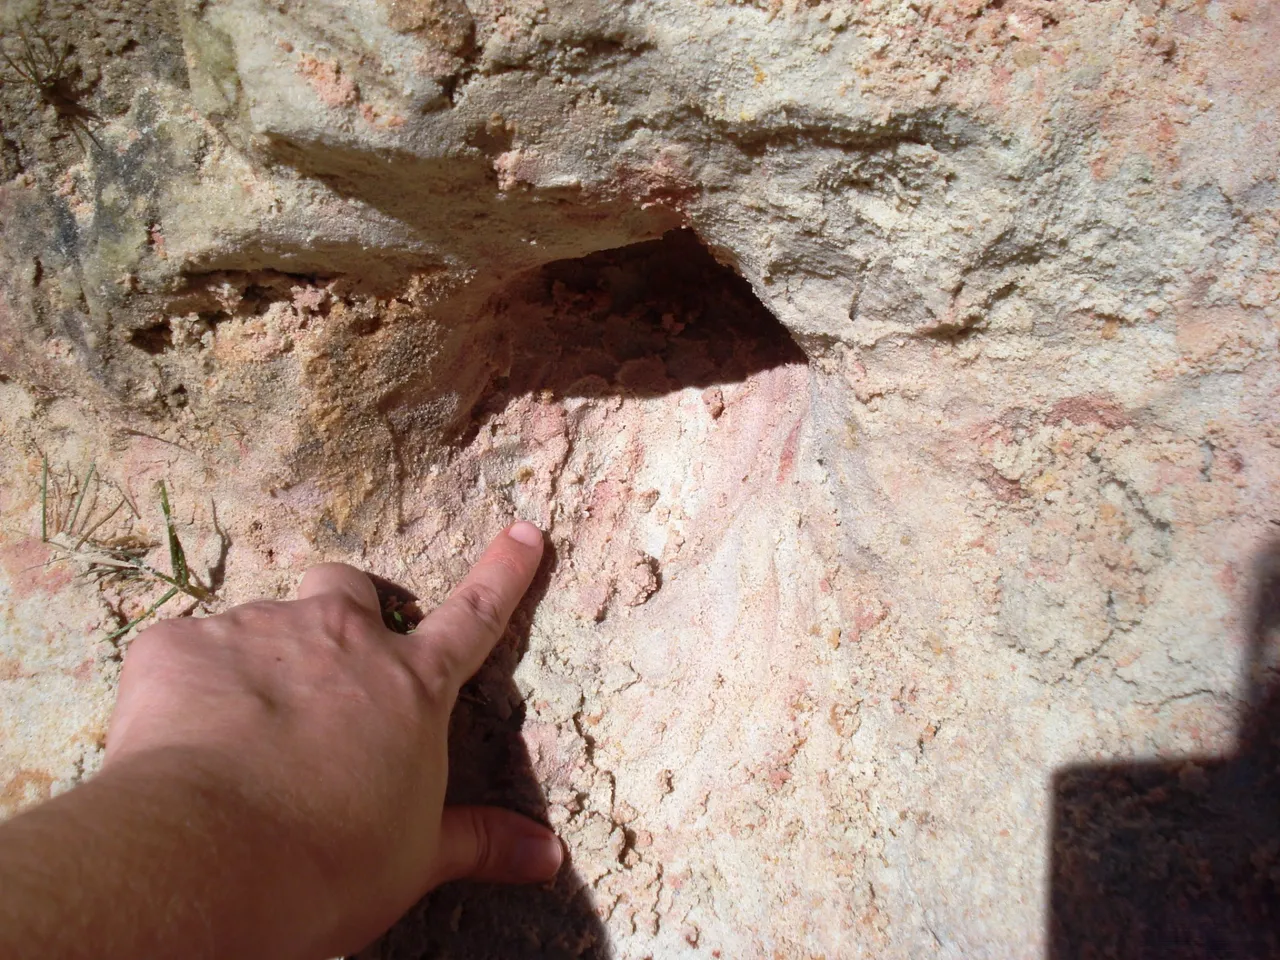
column 84, row 488
column 44, row 499
column 94, row 529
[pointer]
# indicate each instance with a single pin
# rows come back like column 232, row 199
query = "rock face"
column 896, row 381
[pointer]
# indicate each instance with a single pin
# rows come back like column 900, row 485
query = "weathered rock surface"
column 960, row 480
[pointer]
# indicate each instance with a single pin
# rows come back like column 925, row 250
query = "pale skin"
column 274, row 782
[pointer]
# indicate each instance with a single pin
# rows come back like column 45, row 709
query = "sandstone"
column 895, row 381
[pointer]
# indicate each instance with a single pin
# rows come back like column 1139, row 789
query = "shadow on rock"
column 644, row 320
column 1179, row 860
column 489, row 764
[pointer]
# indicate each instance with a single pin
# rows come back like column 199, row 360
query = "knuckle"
column 337, row 617
column 256, row 608
column 143, row 652
column 248, row 623
column 155, row 639
column 421, row 667
column 331, row 608
column 508, row 562
column 433, row 677
column 246, row 616
column 482, row 603
column 147, row 640
column 483, row 849
column 329, row 566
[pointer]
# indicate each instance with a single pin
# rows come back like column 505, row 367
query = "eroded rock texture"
column 896, row 381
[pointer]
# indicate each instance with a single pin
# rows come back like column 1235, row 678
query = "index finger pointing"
column 464, row 628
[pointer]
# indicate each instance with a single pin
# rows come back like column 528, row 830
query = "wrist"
column 254, row 873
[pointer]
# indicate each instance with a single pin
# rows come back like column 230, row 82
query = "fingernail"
column 537, row 856
column 526, row 533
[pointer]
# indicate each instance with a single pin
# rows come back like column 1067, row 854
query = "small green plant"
column 72, row 514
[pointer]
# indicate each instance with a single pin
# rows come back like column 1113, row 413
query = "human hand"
column 326, row 733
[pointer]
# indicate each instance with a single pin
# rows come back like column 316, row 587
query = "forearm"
column 152, row 858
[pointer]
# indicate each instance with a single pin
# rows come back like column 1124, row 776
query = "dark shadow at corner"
column 643, row 320
column 1179, row 860
column 489, row 764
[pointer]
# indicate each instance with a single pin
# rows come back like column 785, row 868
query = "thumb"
column 496, row 845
